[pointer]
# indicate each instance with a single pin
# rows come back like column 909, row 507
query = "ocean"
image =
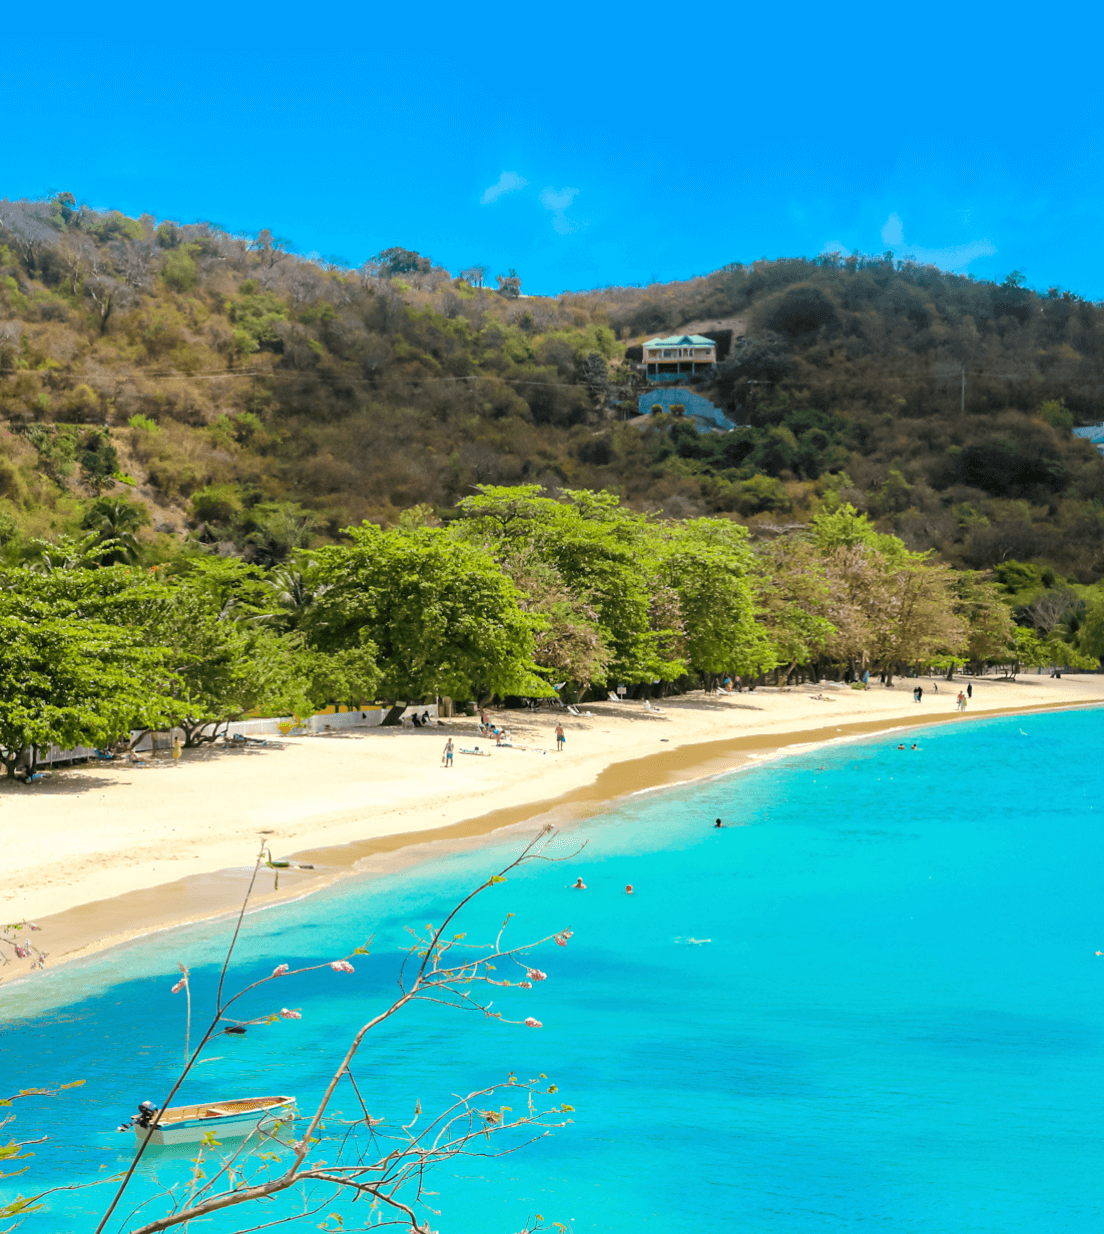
column 871, row 1000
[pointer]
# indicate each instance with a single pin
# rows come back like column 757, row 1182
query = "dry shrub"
column 178, row 460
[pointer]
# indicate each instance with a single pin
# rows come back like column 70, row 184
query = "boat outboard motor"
column 147, row 1112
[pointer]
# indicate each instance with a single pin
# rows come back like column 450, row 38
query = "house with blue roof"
column 678, row 357
column 1093, row 433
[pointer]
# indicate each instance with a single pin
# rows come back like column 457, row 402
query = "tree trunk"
column 391, row 720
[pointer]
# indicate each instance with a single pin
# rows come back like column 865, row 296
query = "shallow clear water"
column 897, row 1020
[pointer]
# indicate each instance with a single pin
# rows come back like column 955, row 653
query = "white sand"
column 89, row 833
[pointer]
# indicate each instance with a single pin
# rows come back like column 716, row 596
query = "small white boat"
column 188, row 1124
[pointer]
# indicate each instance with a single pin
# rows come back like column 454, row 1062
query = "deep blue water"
column 897, row 1022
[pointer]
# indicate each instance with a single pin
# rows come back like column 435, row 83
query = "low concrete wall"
column 370, row 717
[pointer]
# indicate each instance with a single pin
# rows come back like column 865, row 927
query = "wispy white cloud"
column 508, row 182
column 557, row 201
column 952, row 257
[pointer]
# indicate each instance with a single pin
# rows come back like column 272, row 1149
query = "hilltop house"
column 1093, row 433
column 678, row 357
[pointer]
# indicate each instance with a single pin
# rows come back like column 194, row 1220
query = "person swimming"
column 914, row 746
column 629, row 889
column 901, row 746
column 718, row 823
column 578, row 885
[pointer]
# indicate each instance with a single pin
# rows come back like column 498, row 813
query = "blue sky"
column 583, row 144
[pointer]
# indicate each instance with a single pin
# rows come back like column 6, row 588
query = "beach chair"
column 613, row 698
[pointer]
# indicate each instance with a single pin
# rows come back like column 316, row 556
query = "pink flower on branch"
column 561, row 939
column 180, row 985
column 287, row 1014
column 535, row 974
column 342, row 966
column 531, row 1023
column 279, row 970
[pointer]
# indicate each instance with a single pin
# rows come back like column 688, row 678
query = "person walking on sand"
column 446, row 756
column 960, row 702
column 560, row 738
column 178, row 746
column 969, row 689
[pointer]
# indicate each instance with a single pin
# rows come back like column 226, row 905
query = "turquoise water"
column 897, row 1021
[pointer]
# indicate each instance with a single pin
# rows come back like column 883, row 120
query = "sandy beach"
column 99, row 854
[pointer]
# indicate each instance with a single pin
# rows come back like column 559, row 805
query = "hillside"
column 239, row 395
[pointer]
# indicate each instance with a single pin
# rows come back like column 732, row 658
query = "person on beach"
column 560, row 738
column 970, row 689
column 446, row 757
column 178, row 746
column 919, row 694
column 960, row 702
column 578, row 884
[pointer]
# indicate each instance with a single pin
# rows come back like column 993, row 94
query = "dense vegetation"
column 520, row 595
column 177, row 396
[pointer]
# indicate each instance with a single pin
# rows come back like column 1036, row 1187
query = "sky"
column 582, row 144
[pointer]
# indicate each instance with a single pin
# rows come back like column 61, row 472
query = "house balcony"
column 676, row 370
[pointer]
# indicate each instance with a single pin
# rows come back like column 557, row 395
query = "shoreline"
column 89, row 928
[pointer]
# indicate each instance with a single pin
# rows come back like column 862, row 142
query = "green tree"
column 179, row 270
column 69, row 681
column 708, row 563
column 1091, row 634
column 607, row 557
column 890, row 606
column 989, row 627
column 228, row 661
column 794, row 599
column 444, row 616
column 568, row 642
column 98, row 459
column 117, row 520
